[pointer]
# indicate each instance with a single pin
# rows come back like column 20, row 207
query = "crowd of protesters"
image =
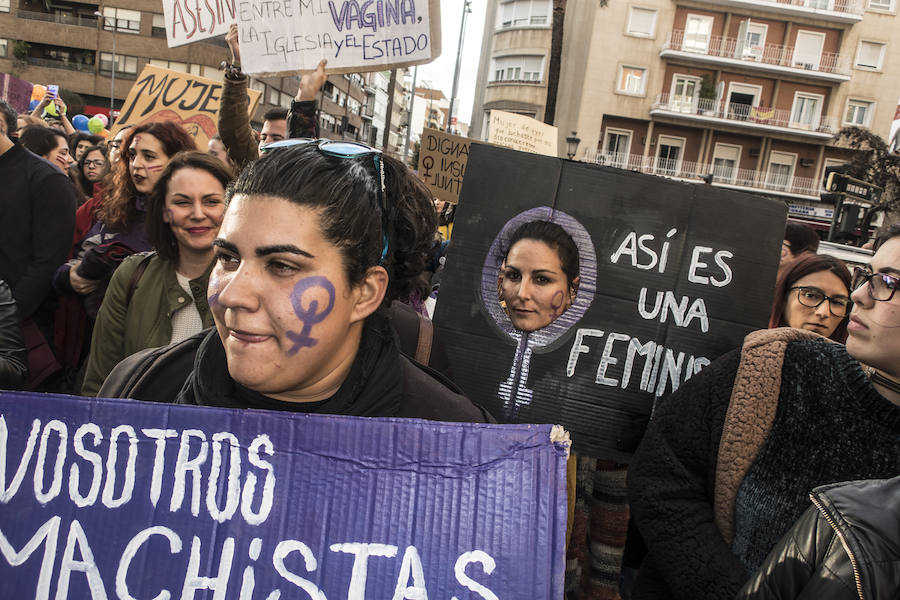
column 142, row 266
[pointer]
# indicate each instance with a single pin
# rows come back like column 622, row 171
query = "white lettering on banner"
column 411, row 580
column 52, row 442
column 283, row 35
column 663, row 368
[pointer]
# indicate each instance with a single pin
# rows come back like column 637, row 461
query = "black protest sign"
column 672, row 275
column 442, row 163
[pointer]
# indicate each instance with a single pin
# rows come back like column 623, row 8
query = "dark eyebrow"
column 278, row 248
column 220, row 243
column 888, row 270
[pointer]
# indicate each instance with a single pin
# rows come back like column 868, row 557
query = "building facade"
column 748, row 94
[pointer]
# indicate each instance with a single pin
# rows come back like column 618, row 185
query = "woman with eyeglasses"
column 318, row 237
column 813, row 293
column 728, row 461
column 92, row 167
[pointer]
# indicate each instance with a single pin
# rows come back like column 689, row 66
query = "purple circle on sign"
column 587, row 271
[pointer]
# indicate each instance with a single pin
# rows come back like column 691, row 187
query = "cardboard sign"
column 188, row 21
column 165, row 95
column 127, row 499
column 281, row 38
column 672, row 275
column 16, row 91
column 442, row 163
column 522, row 133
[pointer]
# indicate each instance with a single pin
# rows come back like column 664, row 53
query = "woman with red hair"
column 119, row 230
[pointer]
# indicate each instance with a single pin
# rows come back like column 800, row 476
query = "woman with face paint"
column 159, row 298
column 729, row 459
column 538, row 279
column 119, row 230
column 317, row 239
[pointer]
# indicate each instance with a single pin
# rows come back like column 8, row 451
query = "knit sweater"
column 706, row 439
column 830, row 425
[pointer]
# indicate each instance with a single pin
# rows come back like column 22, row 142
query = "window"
column 870, row 55
column 259, row 86
column 684, row 94
column 668, row 155
column 829, row 162
column 173, row 65
column 741, row 100
column 4, row 48
column 858, row 112
column 273, row 97
column 159, row 26
column 617, row 147
column 752, row 40
column 781, row 170
column 697, row 30
column 881, row 5
column 4, row 6
column 806, row 111
column 124, row 64
column 632, row 80
column 819, row 4
column 519, row 68
column 725, row 162
column 521, row 13
column 808, row 49
column 642, row 22
column 128, row 21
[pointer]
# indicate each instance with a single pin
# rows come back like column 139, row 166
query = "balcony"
column 58, row 17
column 835, row 11
column 726, row 52
column 747, row 180
column 722, row 114
column 60, row 64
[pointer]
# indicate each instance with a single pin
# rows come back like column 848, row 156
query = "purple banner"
column 132, row 500
column 16, row 91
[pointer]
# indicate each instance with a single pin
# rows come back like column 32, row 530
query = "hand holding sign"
column 234, row 44
column 311, row 83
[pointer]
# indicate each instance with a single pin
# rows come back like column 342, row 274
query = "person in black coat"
column 846, row 546
column 13, row 358
column 318, row 239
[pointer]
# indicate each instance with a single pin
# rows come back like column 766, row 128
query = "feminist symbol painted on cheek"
column 310, row 315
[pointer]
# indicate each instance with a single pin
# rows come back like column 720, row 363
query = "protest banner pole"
column 467, row 8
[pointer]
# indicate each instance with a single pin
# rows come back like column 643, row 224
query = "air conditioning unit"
column 807, row 66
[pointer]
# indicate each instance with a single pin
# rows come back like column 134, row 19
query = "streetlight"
column 467, row 9
column 572, row 144
column 112, row 85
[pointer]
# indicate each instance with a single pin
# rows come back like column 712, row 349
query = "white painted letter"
column 7, row 492
column 697, row 264
column 96, row 464
column 487, row 564
column 720, row 257
column 50, row 531
column 268, row 492
column 132, row 549
column 579, row 348
column 109, row 488
column 192, row 579
column 309, row 561
column 184, row 464
column 411, row 566
column 62, row 432
column 233, row 483
column 159, row 459
column 86, row 565
column 362, row 552
column 607, row 359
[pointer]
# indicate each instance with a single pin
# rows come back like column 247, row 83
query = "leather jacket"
column 13, row 356
column 847, row 545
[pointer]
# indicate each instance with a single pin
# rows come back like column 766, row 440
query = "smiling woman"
column 160, row 298
column 318, row 238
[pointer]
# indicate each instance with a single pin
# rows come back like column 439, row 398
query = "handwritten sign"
column 188, row 21
column 672, row 275
column 165, row 95
column 16, row 91
column 522, row 133
column 283, row 37
column 127, row 499
column 442, row 163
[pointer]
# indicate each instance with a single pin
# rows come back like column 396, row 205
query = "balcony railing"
column 773, row 181
column 853, row 8
column 743, row 113
column 60, row 64
column 768, row 54
column 59, row 17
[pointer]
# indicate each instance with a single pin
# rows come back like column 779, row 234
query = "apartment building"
column 66, row 43
column 744, row 94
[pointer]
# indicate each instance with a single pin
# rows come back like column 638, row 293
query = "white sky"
column 439, row 74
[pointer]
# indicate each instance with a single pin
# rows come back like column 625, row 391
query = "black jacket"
column 382, row 381
column 846, row 546
column 13, row 357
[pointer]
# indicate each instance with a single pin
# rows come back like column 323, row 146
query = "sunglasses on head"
column 344, row 149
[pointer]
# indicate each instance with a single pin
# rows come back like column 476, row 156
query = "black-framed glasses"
column 94, row 163
column 812, row 297
column 881, row 285
column 344, row 149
